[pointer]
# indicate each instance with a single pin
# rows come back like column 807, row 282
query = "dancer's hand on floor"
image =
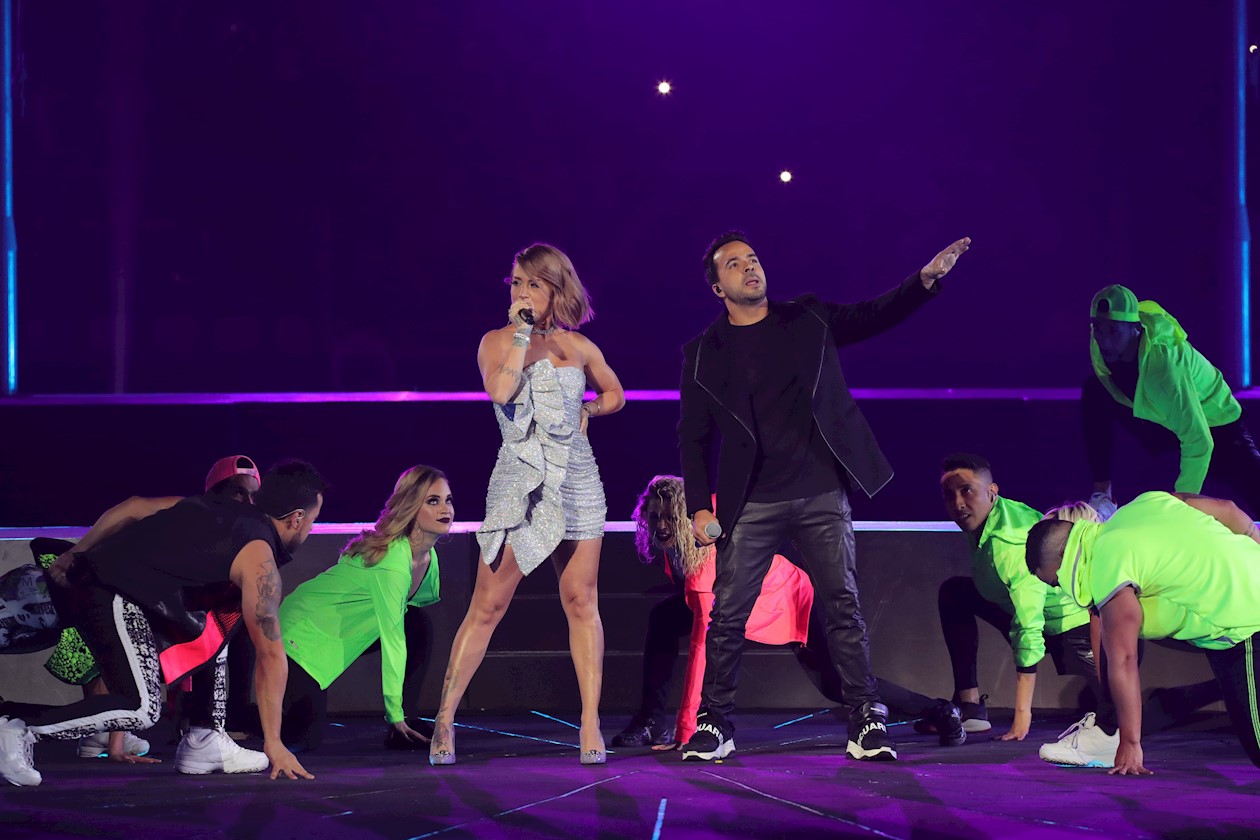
column 1129, row 761
column 283, row 761
column 123, row 757
column 664, row 747
column 410, row 734
column 1019, row 727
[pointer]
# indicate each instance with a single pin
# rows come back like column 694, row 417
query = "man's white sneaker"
column 204, row 751
column 97, row 746
column 1083, row 744
column 17, row 756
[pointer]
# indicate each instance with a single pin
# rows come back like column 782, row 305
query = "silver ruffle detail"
column 534, row 501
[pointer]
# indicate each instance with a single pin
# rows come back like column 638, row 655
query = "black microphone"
column 527, row 316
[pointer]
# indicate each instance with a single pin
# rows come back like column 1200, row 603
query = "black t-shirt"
column 1124, row 375
column 793, row 460
column 175, row 564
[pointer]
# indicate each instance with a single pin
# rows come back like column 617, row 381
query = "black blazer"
column 714, row 395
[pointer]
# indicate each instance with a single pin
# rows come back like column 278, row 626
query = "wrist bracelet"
column 520, row 339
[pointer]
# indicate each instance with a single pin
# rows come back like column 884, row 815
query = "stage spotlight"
column 785, row 176
column 664, row 88
column 1252, row 49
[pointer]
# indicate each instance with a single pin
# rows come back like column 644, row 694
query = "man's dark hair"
column 1046, row 537
column 288, row 486
column 710, row 270
column 965, row 461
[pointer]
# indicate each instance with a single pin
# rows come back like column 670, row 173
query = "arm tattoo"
column 267, row 609
column 511, row 373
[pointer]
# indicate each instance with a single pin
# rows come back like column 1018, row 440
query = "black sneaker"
column 947, row 722
column 714, row 738
column 647, row 733
column 868, row 734
column 975, row 718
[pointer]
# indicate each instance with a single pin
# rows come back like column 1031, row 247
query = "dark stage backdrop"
column 308, row 194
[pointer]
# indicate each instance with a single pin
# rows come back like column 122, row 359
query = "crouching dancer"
column 158, row 599
column 1165, row 566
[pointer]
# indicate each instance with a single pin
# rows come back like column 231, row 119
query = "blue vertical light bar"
column 1242, row 224
column 10, row 232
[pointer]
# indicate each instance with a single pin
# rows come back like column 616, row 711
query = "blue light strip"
column 660, row 820
column 509, row 734
column 799, row 719
column 10, row 231
column 1242, row 222
column 556, row 719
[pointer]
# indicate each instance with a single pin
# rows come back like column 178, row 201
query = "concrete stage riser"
column 528, row 666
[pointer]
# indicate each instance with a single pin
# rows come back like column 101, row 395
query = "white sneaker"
column 1083, row 744
column 204, row 751
column 97, row 746
column 17, row 756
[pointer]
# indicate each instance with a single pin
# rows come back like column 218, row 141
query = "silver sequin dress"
column 545, row 486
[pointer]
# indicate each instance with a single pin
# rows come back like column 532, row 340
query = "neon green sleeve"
column 388, row 590
column 1183, row 412
column 1028, row 596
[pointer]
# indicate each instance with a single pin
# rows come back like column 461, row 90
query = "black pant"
column 306, row 704
column 669, row 621
column 1237, row 672
column 305, row 710
column 240, row 683
column 205, row 704
column 1235, row 460
column 822, row 528
column 960, row 604
column 121, row 641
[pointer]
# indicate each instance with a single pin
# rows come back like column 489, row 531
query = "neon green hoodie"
column 1177, row 388
column 331, row 619
column 1001, row 574
column 1195, row 579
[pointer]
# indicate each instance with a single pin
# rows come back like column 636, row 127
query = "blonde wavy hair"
column 570, row 302
column 668, row 491
column 1073, row 512
column 398, row 515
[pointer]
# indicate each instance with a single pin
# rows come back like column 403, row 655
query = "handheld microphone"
column 527, row 316
column 712, row 530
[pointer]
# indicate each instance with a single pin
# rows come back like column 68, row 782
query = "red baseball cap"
column 230, row 466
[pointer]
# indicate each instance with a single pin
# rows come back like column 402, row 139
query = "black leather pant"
column 822, row 529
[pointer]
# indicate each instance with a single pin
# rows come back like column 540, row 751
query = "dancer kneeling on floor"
column 1165, row 566
column 235, row 477
column 155, row 602
column 784, row 614
column 1001, row 591
column 331, row 620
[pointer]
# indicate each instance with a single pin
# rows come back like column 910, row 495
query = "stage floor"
column 519, row 776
